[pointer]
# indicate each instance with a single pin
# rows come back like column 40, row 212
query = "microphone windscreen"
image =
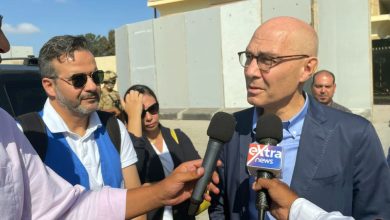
column 269, row 126
column 221, row 127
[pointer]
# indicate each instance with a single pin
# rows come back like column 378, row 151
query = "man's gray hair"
column 60, row 48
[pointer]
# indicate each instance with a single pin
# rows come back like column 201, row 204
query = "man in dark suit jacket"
column 333, row 158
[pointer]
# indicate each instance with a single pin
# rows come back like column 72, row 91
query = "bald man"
column 331, row 158
column 323, row 88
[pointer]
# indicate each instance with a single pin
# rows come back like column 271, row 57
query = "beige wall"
column 106, row 63
column 168, row 7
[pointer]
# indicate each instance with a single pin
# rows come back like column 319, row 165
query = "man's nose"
column 90, row 84
column 253, row 69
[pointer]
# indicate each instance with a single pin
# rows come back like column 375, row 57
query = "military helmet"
column 109, row 75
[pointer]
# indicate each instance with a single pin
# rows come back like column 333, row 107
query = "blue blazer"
column 340, row 166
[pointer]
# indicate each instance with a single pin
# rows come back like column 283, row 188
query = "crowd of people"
column 98, row 156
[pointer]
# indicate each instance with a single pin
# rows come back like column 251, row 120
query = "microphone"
column 265, row 159
column 220, row 131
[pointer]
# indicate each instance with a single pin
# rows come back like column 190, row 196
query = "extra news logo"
column 264, row 156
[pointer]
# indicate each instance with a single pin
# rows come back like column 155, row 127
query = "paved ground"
column 196, row 130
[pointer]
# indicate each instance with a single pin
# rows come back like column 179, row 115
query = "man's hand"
column 281, row 195
column 179, row 185
column 174, row 189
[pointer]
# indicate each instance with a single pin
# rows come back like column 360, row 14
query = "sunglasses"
column 153, row 109
column 78, row 80
column 110, row 81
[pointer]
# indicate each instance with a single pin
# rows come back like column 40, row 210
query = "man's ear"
column 49, row 87
column 309, row 68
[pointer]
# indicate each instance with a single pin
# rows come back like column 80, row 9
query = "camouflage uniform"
column 109, row 97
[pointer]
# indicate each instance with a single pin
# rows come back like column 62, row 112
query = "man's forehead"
column 323, row 80
column 270, row 44
column 262, row 47
column 324, row 76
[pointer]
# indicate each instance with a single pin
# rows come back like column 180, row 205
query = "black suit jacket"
column 340, row 166
column 150, row 168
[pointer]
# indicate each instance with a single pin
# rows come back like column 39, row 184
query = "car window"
column 25, row 96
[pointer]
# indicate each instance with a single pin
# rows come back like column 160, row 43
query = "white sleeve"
column 303, row 209
column 128, row 154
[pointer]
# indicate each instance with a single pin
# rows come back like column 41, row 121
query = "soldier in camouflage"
column 110, row 99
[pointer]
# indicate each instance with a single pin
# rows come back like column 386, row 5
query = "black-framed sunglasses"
column 78, row 80
column 153, row 109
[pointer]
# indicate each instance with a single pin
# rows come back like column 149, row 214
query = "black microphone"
column 269, row 131
column 220, row 131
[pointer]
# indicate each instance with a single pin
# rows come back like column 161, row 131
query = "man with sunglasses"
column 31, row 190
column 79, row 147
column 332, row 158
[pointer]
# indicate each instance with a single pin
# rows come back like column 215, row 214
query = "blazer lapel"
column 311, row 149
column 245, row 135
column 244, row 130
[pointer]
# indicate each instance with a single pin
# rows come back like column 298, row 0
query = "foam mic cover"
column 269, row 130
column 220, row 131
column 221, row 127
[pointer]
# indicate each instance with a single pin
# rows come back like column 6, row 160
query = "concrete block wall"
column 190, row 59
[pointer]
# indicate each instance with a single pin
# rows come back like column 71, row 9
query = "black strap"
column 35, row 130
column 110, row 122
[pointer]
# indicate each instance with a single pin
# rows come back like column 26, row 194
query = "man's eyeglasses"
column 78, row 80
column 153, row 109
column 265, row 62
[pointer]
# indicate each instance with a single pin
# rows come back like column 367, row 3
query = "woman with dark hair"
column 159, row 149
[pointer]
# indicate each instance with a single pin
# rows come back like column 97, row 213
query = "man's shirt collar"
column 296, row 119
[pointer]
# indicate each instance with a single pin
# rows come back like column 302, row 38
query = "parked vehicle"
column 20, row 87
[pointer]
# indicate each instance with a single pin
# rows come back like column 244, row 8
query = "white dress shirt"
column 85, row 147
column 303, row 209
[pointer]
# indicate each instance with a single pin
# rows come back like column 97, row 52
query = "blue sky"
column 33, row 22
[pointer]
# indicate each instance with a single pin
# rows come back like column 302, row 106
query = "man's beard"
column 76, row 107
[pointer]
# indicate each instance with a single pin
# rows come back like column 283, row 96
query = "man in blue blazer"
column 332, row 158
